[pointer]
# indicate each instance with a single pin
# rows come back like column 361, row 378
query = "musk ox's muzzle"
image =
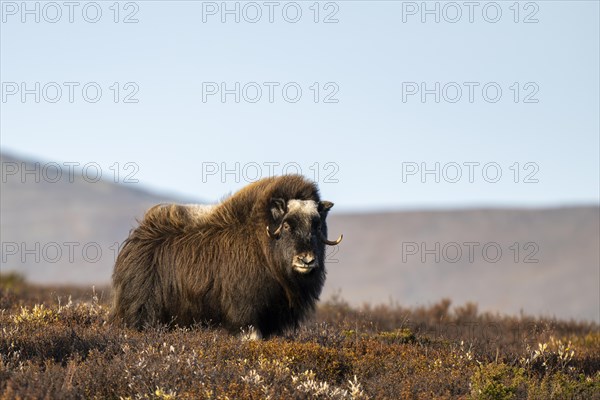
column 304, row 262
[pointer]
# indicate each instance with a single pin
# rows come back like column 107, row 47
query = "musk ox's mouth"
column 304, row 268
column 304, row 262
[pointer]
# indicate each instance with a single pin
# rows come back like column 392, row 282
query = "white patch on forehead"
column 302, row 206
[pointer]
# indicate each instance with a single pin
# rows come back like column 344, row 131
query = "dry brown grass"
column 51, row 347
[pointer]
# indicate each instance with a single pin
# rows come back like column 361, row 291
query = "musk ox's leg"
column 134, row 305
column 137, row 286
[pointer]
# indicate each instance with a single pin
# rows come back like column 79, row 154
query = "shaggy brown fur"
column 181, row 266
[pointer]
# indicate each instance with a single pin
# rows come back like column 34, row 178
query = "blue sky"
column 360, row 124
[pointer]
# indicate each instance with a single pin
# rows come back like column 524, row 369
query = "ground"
column 56, row 343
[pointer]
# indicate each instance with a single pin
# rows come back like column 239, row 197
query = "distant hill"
column 67, row 221
column 384, row 256
column 565, row 242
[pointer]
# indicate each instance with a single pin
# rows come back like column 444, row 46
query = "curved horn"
column 274, row 235
column 331, row 242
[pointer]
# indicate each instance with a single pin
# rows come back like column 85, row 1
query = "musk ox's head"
column 298, row 233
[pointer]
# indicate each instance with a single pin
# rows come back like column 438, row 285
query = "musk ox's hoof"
column 251, row 334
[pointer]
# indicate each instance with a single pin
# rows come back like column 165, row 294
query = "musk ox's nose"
column 307, row 259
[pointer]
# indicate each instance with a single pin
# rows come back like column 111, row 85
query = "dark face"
column 298, row 229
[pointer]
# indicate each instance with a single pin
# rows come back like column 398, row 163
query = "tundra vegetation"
column 56, row 343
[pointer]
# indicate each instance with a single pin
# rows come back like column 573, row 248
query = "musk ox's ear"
column 277, row 207
column 325, row 206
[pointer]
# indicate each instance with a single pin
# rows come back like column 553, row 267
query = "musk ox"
column 255, row 262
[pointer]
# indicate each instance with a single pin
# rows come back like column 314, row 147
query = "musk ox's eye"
column 286, row 226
